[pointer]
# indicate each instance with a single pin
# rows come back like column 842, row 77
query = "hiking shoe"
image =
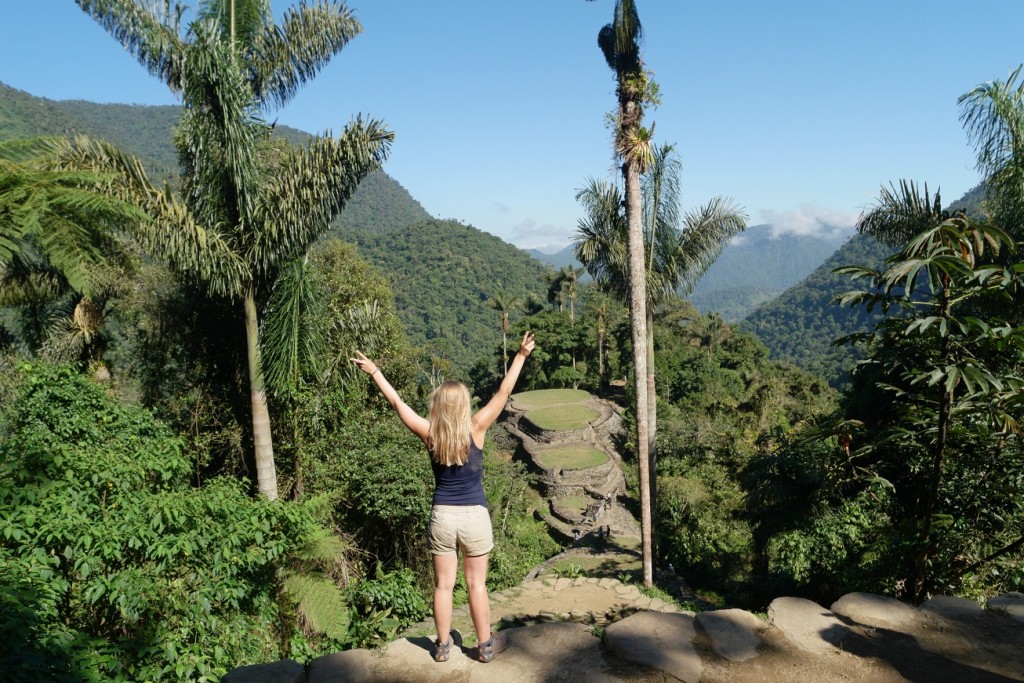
column 490, row 649
column 442, row 650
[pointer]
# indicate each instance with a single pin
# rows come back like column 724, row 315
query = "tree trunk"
column 266, row 474
column 945, row 410
column 652, row 427
column 504, row 350
column 638, row 320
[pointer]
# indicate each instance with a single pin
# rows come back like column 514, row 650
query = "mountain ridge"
column 380, row 212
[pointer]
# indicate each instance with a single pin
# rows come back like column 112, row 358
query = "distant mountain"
column 755, row 268
column 443, row 272
column 558, row 259
column 801, row 323
column 758, row 266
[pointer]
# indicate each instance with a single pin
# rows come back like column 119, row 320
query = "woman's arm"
column 486, row 416
column 417, row 424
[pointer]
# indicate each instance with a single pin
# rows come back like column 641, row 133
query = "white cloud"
column 529, row 234
column 810, row 220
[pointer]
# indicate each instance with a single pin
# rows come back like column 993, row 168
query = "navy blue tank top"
column 460, row 484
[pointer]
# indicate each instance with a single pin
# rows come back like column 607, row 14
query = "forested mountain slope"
column 25, row 116
column 800, row 325
column 443, row 272
column 755, row 268
column 758, row 266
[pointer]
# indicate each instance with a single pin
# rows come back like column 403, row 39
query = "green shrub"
column 111, row 566
column 701, row 526
column 391, row 590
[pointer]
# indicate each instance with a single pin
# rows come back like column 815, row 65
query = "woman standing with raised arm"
column 458, row 517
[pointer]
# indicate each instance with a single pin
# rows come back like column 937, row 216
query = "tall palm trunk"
column 638, row 320
column 504, row 339
column 652, row 423
column 266, row 473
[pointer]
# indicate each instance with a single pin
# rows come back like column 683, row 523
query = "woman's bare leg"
column 445, row 569
column 475, row 569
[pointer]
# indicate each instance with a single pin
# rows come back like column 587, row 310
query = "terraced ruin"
column 568, row 439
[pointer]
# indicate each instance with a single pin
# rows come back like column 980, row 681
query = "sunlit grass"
column 571, row 416
column 545, row 398
column 572, row 457
column 573, row 505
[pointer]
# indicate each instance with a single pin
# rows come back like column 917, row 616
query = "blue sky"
column 798, row 110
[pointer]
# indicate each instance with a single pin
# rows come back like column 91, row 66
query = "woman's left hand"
column 365, row 364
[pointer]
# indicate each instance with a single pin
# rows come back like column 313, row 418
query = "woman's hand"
column 365, row 364
column 527, row 344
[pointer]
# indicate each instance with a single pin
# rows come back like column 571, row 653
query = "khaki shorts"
column 460, row 527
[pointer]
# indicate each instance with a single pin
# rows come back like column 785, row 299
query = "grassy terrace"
column 556, row 409
column 562, row 417
column 572, row 457
column 573, row 505
column 547, row 398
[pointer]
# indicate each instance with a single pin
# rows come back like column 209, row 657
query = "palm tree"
column 504, row 303
column 993, row 115
column 230, row 66
column 600, row 305
column 675, row 258
column 620, row 43
column 68, row 207
column 556, row 289
column 570, row 277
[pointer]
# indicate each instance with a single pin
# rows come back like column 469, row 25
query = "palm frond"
column 287, row 55
column 163, row 226
column 293, row 335
column 706, row 232
column 219, row 132
column 240, row 20
column 65, row 214
column 661, row 184
column 600, row 242
column 628, row 36
column 901, row 213
column 151, row 32
column 993, row 115
column 312, row 187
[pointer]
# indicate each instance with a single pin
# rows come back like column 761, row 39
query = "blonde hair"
column 451, row 424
